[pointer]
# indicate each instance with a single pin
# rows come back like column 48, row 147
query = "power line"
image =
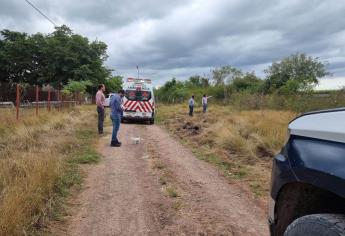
column 39, row 11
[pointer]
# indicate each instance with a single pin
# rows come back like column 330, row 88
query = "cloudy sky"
column 186, row 37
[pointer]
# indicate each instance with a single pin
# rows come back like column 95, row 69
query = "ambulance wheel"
column 152, row 121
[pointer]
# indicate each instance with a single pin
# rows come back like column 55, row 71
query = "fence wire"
column 25, row 100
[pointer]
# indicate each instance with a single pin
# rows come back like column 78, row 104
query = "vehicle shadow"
column 136, row 122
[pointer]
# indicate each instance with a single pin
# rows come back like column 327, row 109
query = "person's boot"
column 115, row 144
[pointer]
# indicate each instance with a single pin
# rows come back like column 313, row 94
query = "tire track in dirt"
column 216, row 206
column 122, row 195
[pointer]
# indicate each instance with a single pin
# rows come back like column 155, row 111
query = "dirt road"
column 158, row 187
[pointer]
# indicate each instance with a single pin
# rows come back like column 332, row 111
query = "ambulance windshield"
column 138, row 95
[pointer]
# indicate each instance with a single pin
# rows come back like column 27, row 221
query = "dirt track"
column 125, row 195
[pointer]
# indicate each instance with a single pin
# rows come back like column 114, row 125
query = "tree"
column 303, row 70
column 172, row 91
column 14, row 57
column 197, row 81
column 248, row 82
column 55, row 59
column 76, row 87
column 225, row 75
column 113, row 84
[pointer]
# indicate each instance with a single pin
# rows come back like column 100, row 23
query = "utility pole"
column 138, row 71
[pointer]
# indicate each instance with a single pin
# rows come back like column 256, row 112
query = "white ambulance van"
column 139, row 101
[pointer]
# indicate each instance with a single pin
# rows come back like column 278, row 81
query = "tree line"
column 62, row 59
column 295, row 74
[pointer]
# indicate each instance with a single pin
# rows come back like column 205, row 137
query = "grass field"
column 39, row 159
column 240, row 143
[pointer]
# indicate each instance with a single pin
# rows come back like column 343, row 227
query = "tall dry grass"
column 241, row 143
column 251, row 133
column 33, row 165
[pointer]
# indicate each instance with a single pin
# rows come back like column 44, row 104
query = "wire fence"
column 24, row 100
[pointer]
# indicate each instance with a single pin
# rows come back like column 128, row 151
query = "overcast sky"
column 183, row 38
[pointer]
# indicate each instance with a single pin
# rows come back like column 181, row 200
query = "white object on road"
column 136, row 140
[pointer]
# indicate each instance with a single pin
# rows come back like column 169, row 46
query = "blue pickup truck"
column 308, row 177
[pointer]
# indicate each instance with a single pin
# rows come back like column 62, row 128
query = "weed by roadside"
column 86, row 155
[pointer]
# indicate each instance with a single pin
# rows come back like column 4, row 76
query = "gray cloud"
column 187, row 37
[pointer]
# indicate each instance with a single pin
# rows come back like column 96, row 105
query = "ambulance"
column 139, row 101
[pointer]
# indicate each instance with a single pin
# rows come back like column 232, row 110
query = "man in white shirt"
column 100, row 99
column 191, row 105
column 204, row 103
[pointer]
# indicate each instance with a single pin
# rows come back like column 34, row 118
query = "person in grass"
column 191, row 105
column 116, row 114
column 100, row 98
column 204, row 103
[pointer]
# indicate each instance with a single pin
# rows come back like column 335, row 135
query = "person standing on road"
column 204, row 103
column 100, row 98
column 191, row 105
column 116, row 113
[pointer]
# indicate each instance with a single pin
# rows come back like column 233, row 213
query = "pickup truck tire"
column 317, row 225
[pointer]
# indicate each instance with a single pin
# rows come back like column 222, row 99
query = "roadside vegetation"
column 39, row 159
column 287, row 85
column 239, row 143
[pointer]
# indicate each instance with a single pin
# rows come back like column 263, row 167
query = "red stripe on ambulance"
column 144, row 106
column 147, row 106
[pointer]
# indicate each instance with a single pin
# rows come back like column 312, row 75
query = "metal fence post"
column 48, row 97
column 17, row 101
column 37, row 100
column 59, row 100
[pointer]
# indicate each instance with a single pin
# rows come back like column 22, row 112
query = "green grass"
column 86, row 156
column 79, row 151
column 85, row 134
column 241, row 172
column 172, row 192
column 71, row 178
column 163, row 180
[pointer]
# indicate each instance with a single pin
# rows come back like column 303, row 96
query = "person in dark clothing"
column 116, row 113
column 191, row 105
column 100, row 98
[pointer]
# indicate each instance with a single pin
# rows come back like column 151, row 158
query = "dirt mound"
column 191, row 129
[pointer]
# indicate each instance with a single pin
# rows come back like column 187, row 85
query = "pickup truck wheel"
column 317, row 225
